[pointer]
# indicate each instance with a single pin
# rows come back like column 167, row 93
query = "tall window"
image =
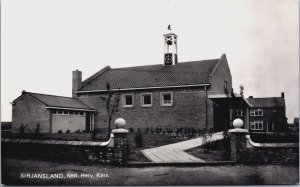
column 256, row 125
column 146, row 99
column 256, row 112
column 166, row 99
column 238, row 113
column 128, row 100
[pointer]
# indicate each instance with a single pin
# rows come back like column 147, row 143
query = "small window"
column 166, row 99
column 81, row 113
column 256, row 112
column 54, row 111
column 128, row 100
column 66, row 112
column 225, row 84
column 59, row 111
column 76, row 112
column 147, row 100
column 256, row 125
column 238, row 113
column 71, row 112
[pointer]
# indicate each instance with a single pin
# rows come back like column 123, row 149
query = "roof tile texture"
column 187, row 73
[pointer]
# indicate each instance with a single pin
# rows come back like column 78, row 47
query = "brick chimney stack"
column 77, row 81
column 282, row 94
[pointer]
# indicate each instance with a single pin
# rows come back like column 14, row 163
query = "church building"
column 171, row 94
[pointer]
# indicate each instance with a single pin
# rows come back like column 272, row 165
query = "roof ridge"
column 163, row 65
column 200, row 60
column 89, row 79
column 48, row 95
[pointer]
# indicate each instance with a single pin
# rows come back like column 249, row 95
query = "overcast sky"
column 42, row 42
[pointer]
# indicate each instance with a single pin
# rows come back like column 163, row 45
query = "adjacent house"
column 267, row 114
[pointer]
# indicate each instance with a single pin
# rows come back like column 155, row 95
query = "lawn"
column 214, row 151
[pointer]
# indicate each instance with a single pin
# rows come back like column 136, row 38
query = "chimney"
column 77, row 81
column 282, row 94
column 251, row 96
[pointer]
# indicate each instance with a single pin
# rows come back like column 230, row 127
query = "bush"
column 139, row 140
column 131, row 129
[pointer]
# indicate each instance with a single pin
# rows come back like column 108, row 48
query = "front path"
column 175, row 152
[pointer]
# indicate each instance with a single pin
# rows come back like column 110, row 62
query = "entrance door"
column 88, row 121
column 221, row 114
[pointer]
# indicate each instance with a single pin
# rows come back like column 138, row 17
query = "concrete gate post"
column 237, row 140
column 120, row 142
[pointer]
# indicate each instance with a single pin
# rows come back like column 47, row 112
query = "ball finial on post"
column 120, row 123
column 238, row 123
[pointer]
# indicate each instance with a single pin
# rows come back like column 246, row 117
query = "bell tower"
column 170, row 53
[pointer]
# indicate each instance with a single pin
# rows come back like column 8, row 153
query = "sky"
column 42, row 42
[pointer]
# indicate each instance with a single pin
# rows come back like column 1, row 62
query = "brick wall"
column 30, row 112
column 114, row 152
column 221, row 73
column 241, row 152
column 188, row 110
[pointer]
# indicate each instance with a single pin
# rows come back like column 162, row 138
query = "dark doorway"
column 88, row 122
column 221, row 114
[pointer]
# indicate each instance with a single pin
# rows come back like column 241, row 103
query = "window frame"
column 238, row 113
column 256, row 125
column 124, row 100
column 254, row 110
column 142, row 100
column 161, row 99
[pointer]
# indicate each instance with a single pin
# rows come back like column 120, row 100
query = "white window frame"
column 142, row 100
column 161, row 99
column 124, row 100
column 255, row 125
column 254, row 110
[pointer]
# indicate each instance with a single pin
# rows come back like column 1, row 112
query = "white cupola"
column 170, row 53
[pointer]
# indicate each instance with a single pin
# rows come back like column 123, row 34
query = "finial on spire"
column 169, row 27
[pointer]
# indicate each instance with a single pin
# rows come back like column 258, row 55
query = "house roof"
column 267, row 102
column 184, row 73
column 58, row 101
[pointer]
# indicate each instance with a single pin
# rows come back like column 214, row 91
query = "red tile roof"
column 267, row 102
column 58, row 101
column 185, row 73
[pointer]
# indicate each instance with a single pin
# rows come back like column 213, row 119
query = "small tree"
column 112, row 104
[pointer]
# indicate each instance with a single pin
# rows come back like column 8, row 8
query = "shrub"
column 138, row 140
column 59, row 131
column 131, row 129
column 67, row 131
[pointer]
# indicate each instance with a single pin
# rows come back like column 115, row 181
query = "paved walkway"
column 175, row 152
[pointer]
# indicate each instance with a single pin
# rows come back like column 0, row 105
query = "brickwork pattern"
column 188, row 110
column 30, row 112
